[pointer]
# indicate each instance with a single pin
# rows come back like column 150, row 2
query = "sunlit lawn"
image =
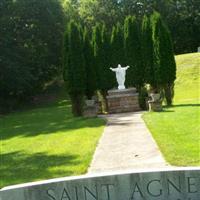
column 177, row 129
column 46, row 142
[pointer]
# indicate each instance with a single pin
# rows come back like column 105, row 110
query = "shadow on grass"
column 167, row 108
column 186, row 105
column 18, row 167
column 46, row 120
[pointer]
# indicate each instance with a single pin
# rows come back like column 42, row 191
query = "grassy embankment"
column 176, row 129
column 46, row 142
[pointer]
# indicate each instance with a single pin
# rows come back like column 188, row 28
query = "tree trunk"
column 77, row 104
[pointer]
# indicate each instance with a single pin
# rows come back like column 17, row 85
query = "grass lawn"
column 176, row 129
column 44, row 143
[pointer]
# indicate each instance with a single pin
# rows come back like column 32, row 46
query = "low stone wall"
column 120, row 101
column 177, row 184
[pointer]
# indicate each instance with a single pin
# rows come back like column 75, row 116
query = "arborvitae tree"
column 117, row 46
column 133, row 52
column 97, row 46
column 74, row 67
column 164, row 61
column 107, row 78
column 91, row 84
column 147, row 51
column 101, row 45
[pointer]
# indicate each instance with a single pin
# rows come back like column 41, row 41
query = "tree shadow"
column 44, row 121
column 186, row 105
column 18, row 167
column 166, row 108
column 166, row 111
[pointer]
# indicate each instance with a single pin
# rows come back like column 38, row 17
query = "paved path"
column 126, row 144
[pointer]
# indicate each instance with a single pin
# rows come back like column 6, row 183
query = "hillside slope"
column 187, row 85
column 176, row 129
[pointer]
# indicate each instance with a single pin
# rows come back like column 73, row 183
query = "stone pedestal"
column 120, row 101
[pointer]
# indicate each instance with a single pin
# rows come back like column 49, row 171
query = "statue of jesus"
column 120, row 75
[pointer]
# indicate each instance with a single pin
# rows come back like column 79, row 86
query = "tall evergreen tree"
column 133, row 52
column 164, row 61
column 107, row 79
column 97, row 46
column 147, row 51
column 117, row 46
column 74, row 67
column 91, row 84
column 101, row 45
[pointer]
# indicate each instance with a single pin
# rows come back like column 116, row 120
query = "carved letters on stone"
column 156, row 185
column 138, row 190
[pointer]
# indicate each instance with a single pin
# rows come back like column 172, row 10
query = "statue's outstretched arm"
column 127, row 67
column 112, row 69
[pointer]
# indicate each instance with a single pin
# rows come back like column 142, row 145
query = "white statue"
column 120, row 75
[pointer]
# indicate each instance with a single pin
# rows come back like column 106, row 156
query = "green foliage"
column 181, row 16
column 91, row 84
column 117, row 49
column 163, row 57
column 102, row 53
column 30, row 46
column 143, row 97
column 99, row 11
column 74, row 66
column 133, row 54
column 101, row 45
column 97, row 46
column 147, row 51
column 107, row 79
column 117, row 45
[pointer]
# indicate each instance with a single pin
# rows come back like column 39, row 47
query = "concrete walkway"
column 126, row 144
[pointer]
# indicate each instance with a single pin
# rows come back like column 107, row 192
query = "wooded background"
column 32, row 31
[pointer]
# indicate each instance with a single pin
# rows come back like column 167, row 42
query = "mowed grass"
column 46, row 142
column 176, row 129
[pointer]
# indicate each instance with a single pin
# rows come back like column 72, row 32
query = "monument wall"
column 180, row 184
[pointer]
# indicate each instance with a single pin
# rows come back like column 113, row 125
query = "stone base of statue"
column 125, row 100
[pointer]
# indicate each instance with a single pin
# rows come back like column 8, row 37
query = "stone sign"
column 180, row 184
column 198, row 49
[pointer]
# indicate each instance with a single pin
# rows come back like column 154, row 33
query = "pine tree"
column 135, row 74
column 74, row 67
column 91, row 84
column 164, row 61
